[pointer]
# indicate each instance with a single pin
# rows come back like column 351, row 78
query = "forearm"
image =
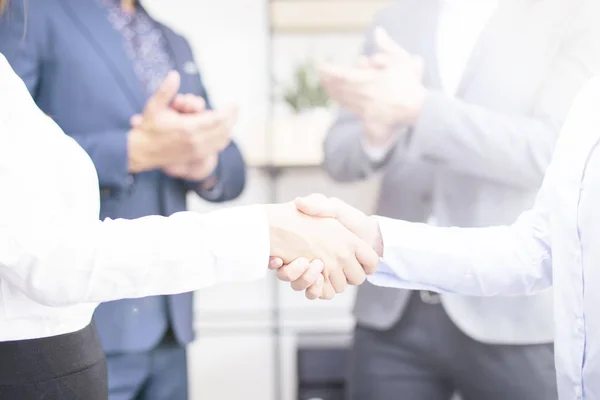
column 93, row 261
column 493, row 261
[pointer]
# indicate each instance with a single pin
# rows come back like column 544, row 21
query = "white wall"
column 233, row 357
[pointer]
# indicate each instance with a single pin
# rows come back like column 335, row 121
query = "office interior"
column 261, row 340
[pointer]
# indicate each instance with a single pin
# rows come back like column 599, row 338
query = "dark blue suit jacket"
column 75, row 66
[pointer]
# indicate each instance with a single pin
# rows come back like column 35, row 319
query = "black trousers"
column 64, row 367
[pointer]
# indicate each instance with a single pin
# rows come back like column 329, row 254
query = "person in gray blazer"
column 459, row 104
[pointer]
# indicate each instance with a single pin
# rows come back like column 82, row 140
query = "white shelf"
column 304, row 16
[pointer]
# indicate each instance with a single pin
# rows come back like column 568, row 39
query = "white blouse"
column 58, row 261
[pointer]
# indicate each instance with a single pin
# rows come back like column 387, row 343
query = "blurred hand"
column 345, row 257
column 384, row 90
column 176, row 130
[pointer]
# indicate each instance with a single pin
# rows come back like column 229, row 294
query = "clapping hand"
column 177, row 134
column 384, row 90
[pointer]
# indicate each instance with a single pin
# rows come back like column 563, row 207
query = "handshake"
column 321, row 245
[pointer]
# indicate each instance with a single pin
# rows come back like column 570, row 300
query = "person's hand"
column 357, row 222
column 363, row 226
column 302, row 274
column 294, row 235
column 196, row 169
column 384, row 90
column 163, row 136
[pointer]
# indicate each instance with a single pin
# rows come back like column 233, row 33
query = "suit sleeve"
column 512, row 149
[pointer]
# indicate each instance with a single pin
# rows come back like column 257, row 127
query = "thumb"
column 387, row 45
column 164, row 94
column 316, row 205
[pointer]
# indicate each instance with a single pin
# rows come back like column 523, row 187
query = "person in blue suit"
column 114, row 80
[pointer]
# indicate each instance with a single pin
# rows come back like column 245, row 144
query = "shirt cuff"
column 241, row 243
column 386, row 277
column 408, row 258
column 377, row 154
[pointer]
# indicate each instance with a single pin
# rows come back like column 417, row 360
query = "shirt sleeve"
column 71, row 263
column 504, row 260
column 493, row 261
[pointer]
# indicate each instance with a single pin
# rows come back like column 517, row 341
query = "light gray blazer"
column 477, row 159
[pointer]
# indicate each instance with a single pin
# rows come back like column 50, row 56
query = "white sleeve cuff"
column 377, row 154
column 241, row 243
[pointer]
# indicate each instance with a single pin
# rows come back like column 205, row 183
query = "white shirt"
column 556, row 243
column 58, row 261
column 459, row 27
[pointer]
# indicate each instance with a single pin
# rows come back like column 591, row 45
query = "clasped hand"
column 343, row 244
column 178, row 134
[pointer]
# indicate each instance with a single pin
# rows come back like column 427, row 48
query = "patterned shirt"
column 144, row 43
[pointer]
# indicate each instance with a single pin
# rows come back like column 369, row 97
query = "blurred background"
column 253, row 339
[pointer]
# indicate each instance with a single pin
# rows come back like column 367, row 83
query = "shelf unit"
column 304, row 16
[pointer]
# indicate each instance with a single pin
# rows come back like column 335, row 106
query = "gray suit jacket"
column 476, row 159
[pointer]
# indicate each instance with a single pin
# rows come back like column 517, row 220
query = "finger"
column 315, row 290
column 165, row 93
column 136, row 120
column 343, row 74
column 179, row 103
column 338, row 280
column 368, row 259
column 352, row 218
column 353, row 272
column 200, row 122
column 195, row 103
column 328, row 292
column 293, row 270
column 385, row 44
column 380, row 60
column 275, row 263
column 214, row 140
column 309, row 277
column 188, row 103
column 316, row 205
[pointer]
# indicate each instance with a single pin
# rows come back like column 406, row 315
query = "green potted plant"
column 306, row 93
column 297, row 138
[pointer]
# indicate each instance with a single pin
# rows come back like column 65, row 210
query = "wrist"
column 377, row 238
column 137, row 150
column 378, row 133
column 276, row 233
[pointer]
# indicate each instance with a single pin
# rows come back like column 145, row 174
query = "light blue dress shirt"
column 556, row 243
